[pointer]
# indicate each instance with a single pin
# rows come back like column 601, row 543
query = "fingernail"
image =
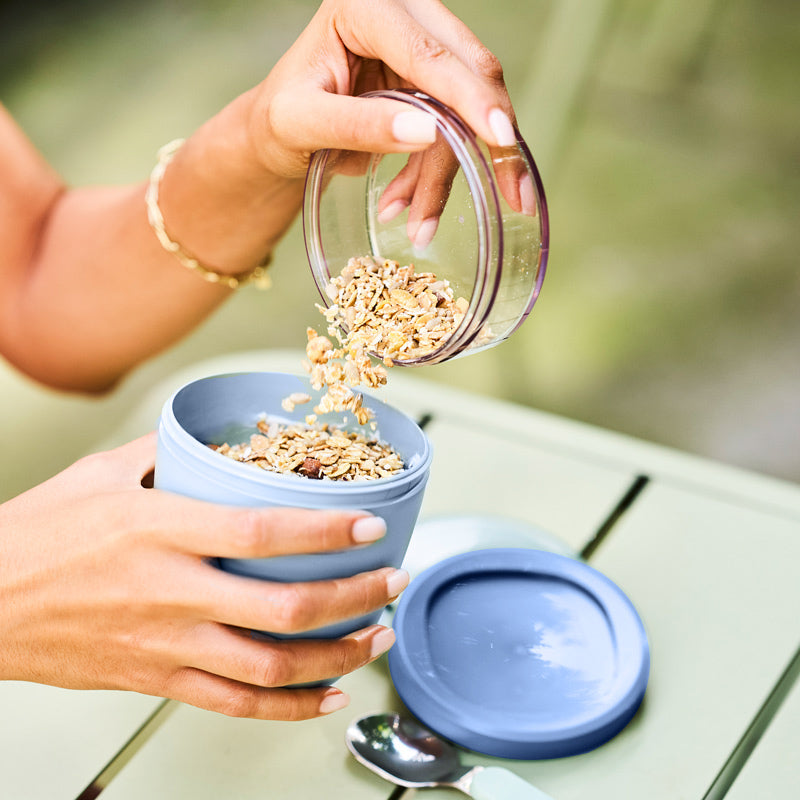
column 368, row 529
column 396, row 582
column 333, row 702
column 502, row 128
column 527, row 197
column 425, row 233
column 394, row 209
column 414, row 127
column 381, row 642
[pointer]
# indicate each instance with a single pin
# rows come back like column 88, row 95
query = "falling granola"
column 380, row 312
column 383, row 309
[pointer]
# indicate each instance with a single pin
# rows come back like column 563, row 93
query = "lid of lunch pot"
column 519, row 653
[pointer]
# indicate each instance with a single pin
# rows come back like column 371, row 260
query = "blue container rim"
column 415, row 471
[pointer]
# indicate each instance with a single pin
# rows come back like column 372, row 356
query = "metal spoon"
column 404, row 752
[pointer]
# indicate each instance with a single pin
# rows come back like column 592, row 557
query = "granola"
column 383, row 309
column 315, row 451
column 380, row 312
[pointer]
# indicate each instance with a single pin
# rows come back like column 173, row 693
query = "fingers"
column 138, row 456
column 121, row 468
column 235, row 699
column 207, row 529
column 230, row 672
column 272, row 664
column 431, row 49
column 514, row 180
column 454, row 34
column 289, row 608
column 423, row 186
column 399, row 192
column 315, row 120
column 438, row 169
column 419, row 44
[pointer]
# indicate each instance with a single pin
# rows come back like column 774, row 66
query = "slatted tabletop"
column 709, row 555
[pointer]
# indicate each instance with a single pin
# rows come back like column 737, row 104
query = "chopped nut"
column 311, row 468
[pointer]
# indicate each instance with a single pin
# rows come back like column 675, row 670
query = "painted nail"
column 424, row 234
column 333, row 702
column 502, row 128
column 394, row 209
column 527, row 197
column 381, row 642
column 396, row 582
column 368, row 529
column 414, row 127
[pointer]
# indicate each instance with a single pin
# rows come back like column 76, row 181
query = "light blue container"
column 226, row 408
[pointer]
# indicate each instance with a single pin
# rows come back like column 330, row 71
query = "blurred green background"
column 667, row 133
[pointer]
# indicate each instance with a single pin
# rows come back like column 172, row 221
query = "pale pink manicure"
column 394, row 209
column 333, row 702
column 414, row 127
column 381, row 642
column 425, row 233
column 527, row 196
column 368, row 529
column 502, row 128
column 396, row 582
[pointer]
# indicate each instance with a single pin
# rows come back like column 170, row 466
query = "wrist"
column 220, row 203
column 257, row 275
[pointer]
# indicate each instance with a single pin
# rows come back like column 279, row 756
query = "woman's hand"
column 309, row 100
column 103, row 585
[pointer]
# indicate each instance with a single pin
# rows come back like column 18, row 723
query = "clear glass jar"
column 488, row 211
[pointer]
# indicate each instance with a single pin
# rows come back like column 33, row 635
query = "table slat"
column 54, row 741
column 207, row 756
column 773, row 768
column 503, row 471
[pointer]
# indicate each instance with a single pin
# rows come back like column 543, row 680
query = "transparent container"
column 489, row 234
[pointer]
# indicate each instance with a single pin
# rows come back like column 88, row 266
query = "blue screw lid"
column 519, row 653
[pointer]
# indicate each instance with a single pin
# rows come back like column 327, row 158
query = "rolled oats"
column 381, row 309
column 315, row 451
column 295, row 399
column 380, row 312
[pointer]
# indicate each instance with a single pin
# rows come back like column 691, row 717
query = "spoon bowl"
column 406, row 753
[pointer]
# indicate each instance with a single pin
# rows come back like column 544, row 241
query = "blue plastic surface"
column 519, row 653
column 215, row 408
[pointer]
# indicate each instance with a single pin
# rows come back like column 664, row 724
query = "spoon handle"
column 496, row 783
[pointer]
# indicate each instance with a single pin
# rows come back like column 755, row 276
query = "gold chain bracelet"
column 257, row 276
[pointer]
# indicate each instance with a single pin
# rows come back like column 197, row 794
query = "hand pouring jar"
column 473, row 215
column 225, row 408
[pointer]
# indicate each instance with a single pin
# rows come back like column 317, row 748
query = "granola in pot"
column 315, row 451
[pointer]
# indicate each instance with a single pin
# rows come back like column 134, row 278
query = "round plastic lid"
column 519, row 653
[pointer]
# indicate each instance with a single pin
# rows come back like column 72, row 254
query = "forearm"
column 100, row 294
column 87, row 291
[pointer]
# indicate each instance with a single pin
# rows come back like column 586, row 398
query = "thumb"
column 320, row 119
